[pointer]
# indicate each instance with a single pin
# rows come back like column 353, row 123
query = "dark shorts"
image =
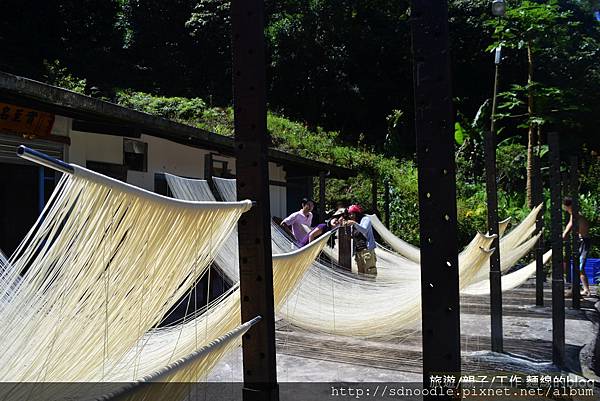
column 584, row 247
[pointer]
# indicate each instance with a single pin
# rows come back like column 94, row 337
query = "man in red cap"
column 364, row 240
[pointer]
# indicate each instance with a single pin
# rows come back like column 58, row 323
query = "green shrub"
column 58, row 75
column 189, row 111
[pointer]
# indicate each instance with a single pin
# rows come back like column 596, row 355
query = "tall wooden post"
column 434, row 127
column 345, row 248
column 538, row 197
column 254, row 231
column 566, row 244
column 558, row 287
column 574, row 192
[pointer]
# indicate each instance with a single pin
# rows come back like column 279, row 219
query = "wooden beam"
column 574, row 193
column 105, row 128
column 434, row 127
column 566, row 244
column 254, row 230
column 538, row 194
column 345, row 248
column 558, row 287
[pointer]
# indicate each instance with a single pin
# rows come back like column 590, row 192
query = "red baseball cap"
column 355, row 209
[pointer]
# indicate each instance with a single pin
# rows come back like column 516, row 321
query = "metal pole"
column 386, row 202
column 437, row 190
column 374, row 191
column 492, row 216
column 558, row 294
column 44, row 160
column 159, row 378
column 576, row 288
column 254, row 231
column 539, row 224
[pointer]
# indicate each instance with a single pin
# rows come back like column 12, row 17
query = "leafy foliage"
column 58, row 75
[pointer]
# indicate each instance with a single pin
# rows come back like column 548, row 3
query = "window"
column 135, row 155
column 215, row 167
column 220, row 169
column 116, row 171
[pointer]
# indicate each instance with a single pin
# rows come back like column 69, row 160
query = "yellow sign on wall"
column 26, row 122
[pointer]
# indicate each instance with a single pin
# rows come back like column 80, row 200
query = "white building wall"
column 86, row 147
column 163, row 156
column 170, row 157
column 62, row 126
column 277, row 194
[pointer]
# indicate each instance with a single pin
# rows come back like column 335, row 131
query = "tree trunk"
column 531, row 131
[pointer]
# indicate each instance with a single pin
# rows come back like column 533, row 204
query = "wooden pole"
column 434, row 127
column 558, row 289
column 345, row 248
column 566, row 244
column 574, row 192
column 254, row 230
column 538, row 194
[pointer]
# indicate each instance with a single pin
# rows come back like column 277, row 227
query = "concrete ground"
column 308, row 357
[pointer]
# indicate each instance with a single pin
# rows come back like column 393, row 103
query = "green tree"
column 165, row 58
column 343, row 64
column 210, row 28
column 81, row 34
column 534, row 28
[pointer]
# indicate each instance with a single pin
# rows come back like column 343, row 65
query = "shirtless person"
column 584, row 242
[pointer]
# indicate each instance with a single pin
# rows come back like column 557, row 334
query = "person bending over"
column 320, row 229
column 297, row 219
column 364, row 240
column 584, row 242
